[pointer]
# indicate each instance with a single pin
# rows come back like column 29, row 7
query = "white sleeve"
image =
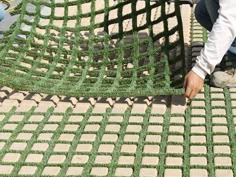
column 219, row 39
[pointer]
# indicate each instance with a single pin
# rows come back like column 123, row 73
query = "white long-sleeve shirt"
column 219, row 40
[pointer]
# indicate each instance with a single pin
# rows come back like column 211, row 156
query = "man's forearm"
column 219, row 39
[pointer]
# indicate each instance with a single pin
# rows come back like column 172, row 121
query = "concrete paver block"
column 18, row 146
column 159, row 105
column 198, row 172
column 26, row 105
column 63, row 106
column 74, row 171
column 56, row 159
column 81, row 107
column 34, row 158
column 124, row 172
column 11, row 157
column 119, row 108
column 148, row 172
column 51, row 171
column 43, row 106
column 174, row 161
column 27, row 170
column 224, row 172
column 6, row 169
column 40, row 146
column 198, row 161
column 80, row 159
column 99, row 171
column 103, row 159
column 173, row 173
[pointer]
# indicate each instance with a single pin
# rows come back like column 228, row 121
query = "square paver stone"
column 27, row 170
column 53, row 171
column 6, row 169
column 11, row 157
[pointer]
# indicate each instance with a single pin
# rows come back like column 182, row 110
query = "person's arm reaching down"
column 219, row 40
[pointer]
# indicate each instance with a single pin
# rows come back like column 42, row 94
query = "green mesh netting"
column 94, row 48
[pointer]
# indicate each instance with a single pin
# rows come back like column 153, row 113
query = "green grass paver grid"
column 180, row 125
column 87, row 167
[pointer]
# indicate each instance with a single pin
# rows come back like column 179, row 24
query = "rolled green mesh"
column 94, row 48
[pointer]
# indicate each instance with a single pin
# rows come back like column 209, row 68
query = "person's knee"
column 2, row 13
column 202, row 15
column 197, row 12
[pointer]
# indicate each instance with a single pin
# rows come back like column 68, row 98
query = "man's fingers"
column 185, row 83
column 192, row 84
column 188, row 91
column 193, row 94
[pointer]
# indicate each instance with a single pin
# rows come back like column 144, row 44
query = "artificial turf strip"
column 105, row 48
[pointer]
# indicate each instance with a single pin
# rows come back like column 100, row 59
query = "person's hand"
column 192, row 84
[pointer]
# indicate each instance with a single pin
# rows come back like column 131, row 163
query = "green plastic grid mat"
column 152, row 139
column 107, row 144
column 94, row 48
